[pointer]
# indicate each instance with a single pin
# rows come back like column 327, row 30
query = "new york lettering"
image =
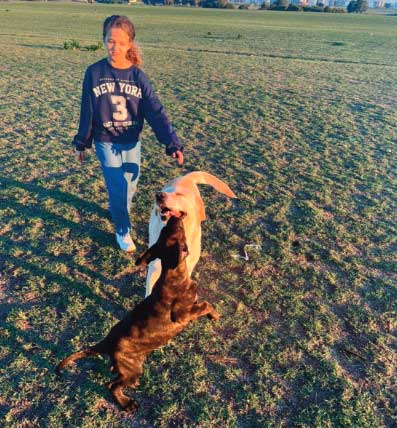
column 124, row 88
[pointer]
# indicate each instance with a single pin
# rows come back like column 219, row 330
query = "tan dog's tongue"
column 174, row 213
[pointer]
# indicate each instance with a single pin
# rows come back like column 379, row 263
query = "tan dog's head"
column 182, row 195
column 174, row 201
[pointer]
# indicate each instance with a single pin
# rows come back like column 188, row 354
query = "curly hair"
column 121, row 21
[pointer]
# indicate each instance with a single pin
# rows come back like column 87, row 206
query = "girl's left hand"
column 79, row 155
column 178, row 155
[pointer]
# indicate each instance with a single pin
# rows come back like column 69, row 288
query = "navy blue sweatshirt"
column 115, row 103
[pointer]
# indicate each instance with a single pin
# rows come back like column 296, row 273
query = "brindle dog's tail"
column 90, row 352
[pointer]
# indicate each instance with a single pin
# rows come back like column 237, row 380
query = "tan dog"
column 181, row 195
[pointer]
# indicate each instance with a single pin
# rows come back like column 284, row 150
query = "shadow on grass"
column 87, row 228
column 35, row 365
column 30, row 354
column 65, row 283
column 43, row 192
column 27, row 211
column 54, row 223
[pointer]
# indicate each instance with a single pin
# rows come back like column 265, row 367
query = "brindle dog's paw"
column 213, row 315
column 109, row 385
column 134, row 384
column 131, row 407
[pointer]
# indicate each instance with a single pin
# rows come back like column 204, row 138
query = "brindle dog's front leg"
column 149, row 255
column 181, row 308
column 179, row 313
column 201, row 309
column 197, row 310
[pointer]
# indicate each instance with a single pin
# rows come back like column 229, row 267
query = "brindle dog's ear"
column 183, row 252
column 183, row 215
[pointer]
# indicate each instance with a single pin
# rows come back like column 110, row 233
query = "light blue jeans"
column 121, row 167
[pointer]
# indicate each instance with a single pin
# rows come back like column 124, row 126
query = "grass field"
column 297, row 112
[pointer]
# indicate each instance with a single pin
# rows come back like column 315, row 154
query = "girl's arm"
column 83, row 138
column 154, row 113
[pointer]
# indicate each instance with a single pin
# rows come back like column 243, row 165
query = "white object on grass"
column 245, row 257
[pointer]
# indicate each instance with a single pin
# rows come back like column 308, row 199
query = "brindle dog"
column 154, row 321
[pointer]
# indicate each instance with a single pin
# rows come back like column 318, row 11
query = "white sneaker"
column 125, row 242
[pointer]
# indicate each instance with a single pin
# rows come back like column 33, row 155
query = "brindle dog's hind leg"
column 116, row 388
column 129, row 372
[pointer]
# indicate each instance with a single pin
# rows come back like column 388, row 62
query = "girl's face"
column 117, row 43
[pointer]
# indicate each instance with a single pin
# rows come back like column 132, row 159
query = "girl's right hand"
column 79, row 155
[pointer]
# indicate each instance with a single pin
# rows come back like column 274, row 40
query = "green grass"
column 297, row 113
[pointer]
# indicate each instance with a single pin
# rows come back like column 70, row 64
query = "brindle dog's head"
column 170, row 248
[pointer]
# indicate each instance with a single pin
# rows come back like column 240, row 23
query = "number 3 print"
column 121, row 112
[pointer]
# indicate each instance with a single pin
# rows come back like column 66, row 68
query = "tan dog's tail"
column 201, row 177
column 90, row 352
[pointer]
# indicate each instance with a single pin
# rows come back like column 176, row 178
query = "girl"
column 117, row 97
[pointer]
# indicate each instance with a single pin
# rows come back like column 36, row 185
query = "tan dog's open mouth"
column 165, row 212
